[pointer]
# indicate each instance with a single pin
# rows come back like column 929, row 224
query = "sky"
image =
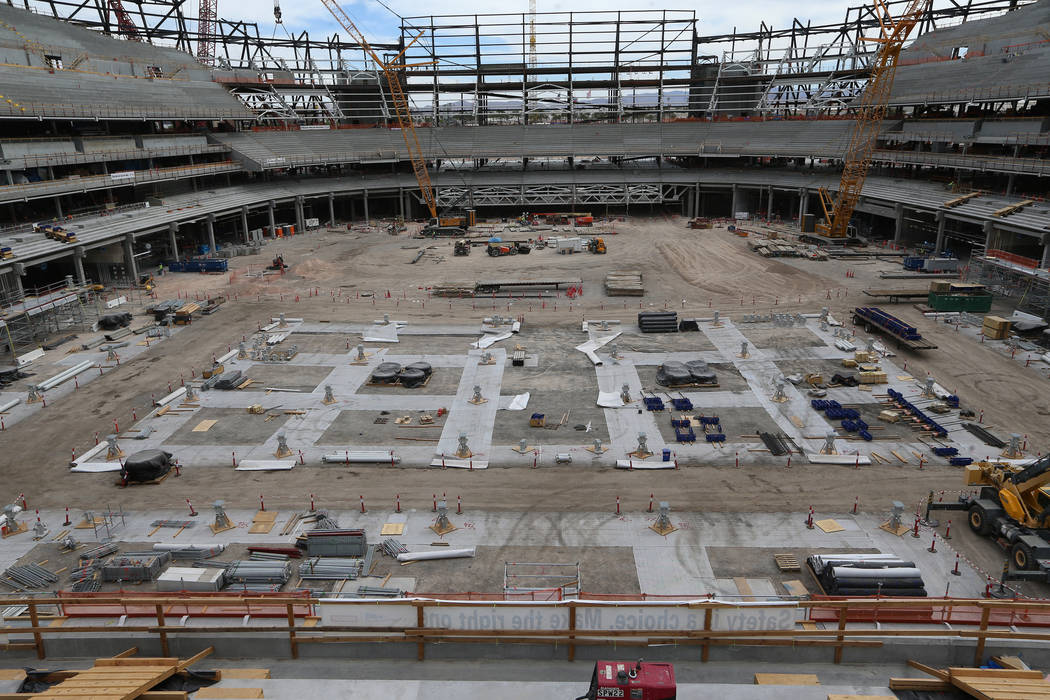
column 379, row 24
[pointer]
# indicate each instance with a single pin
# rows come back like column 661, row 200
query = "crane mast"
column 868, row 120
column 401, row 108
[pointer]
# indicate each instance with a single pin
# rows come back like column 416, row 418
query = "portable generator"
column 634, row 681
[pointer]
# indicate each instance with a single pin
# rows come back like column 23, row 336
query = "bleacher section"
column 819, row 139
column 55, row 69
column 20, row 154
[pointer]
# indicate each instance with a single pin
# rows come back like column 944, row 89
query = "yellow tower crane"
column 870, row 111
column 401, row 108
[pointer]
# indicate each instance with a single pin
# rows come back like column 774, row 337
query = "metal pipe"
column 65, row 376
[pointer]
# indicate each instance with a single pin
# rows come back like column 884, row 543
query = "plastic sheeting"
column 381, row 334
column 837, row 459
column 610, row 399
column 640, row 464
column 594, row 343
column 487, row 340
column 516, row 403
column 265, row 465
column 446, row 554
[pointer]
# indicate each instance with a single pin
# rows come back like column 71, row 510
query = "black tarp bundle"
column 146, row 465
column 679, row 373
column 229, row 380
column 111, row 322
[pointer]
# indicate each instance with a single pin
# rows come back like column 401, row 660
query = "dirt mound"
column 315, row 268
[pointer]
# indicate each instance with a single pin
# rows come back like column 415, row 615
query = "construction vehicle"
column 392, row 69
column 596, row 246
column 1012, row 506
column 624, row 679
column 870, row 109
column 146, row 281
column 56, row 233
column 5, row 252
column 278, row 263
column 497, row 250
column 461, row 247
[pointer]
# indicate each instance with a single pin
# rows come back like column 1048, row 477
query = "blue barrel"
column 667, row 455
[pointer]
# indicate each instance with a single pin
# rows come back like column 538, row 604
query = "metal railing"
column 43, row 159
column 112, row 111
column 1005, row 164
column 50, row 187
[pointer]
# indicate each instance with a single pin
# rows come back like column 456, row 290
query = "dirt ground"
column 690, row 271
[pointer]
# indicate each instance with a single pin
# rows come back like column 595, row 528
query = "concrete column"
column 989, row 229
column 736, row 199
column 172, row 228
column 209, row 224
column 898, row 231
column 300, row 223
column 270, row 206
column 696, row 201
column 1045, row 264
column 58, row 207
column 129, row 259
column 769, row 203
column 803, row 203
column 78, row 262
column 19, row 270
column 244, row 224
column 353, row 209
column 366, row 207
column 8, row 178
column 331, row 209
column 939, row 246
column 401, row 200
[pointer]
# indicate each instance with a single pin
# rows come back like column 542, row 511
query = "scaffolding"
column 28, row 319
column 1030, row 288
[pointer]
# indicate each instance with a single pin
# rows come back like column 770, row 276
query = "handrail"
column 78, row 183
column 38, row 159
column 993, row 619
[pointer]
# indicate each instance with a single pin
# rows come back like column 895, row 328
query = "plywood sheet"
column 391, row 529
column 263, row 522
column 204, row 426
column 786, row 679
column 249, row 673
column 829, row 525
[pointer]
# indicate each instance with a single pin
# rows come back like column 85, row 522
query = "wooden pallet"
column 151, row 482
column 787, row 562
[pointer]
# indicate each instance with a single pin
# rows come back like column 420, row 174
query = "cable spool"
column 386, row 373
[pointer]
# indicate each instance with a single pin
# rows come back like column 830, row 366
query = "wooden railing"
column 699, row 623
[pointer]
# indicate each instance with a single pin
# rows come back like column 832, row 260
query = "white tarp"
column 610, row 399
column 597, row 341
column 514, row 403
column 456, row 463
column 23, row 360
column 265, row 465
column 96, row 467
column 837, row 459
column 90, row 454
column 487, row 340
column 640, row 464
column 380, row 334
column 440, row 554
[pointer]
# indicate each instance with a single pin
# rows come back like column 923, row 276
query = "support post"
column 209, row 225
column 366, row 207
column 291, row 631
column 989, row 230
column 38, row 639
column 735, row 204
column 129, row 259
column 840, row 638
column 419, row 624
column 78, row 262
column 706, row 651
column 898, row 231
column 978, row 653
column 1046, row 252
column 163, row 635
column 172, row 229
column 244, row 224
column 572, row 629
column 941, row 220
column 803, row 204
column 273, row 222
column 331, row 209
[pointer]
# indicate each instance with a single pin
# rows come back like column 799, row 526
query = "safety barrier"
column 699, row 622
column 1014, row 258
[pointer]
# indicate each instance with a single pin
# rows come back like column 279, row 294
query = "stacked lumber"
column 624, row 283
column 983, row 683
column 452, row 290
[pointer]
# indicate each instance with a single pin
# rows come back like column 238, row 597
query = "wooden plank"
column 929, row 684
column 994, row 673
column 836, row 696
column 214, row 692
column 127, row 652
column 204, row 426
column 742, row 586
column 935, row 672
column 195, row 658
column 786, row 679
column 249, row 673
column 12, row 674
column 392, row 529
column 829, row 525
column 143, row 661
column 795, row 588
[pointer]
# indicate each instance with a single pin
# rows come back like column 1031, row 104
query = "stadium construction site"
column 620, row 397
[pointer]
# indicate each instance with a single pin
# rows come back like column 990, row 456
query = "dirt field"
column 692, row 272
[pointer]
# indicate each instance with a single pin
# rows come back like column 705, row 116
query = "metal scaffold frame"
column 1031, row 289
column 29, row 319
column 568, row 194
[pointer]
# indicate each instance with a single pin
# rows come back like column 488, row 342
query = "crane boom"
column 870, row 111
column 401, row 108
